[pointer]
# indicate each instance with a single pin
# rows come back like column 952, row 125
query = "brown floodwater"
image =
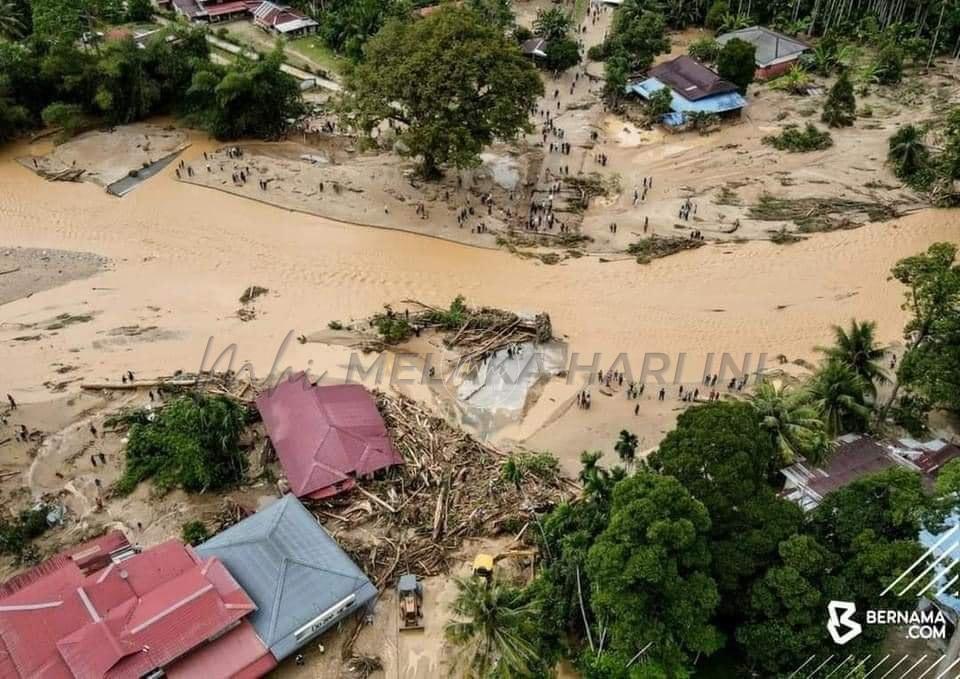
column 182, row 255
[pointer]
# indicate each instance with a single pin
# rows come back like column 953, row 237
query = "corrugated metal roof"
column 718, row 103
column 293, row 570
column 691, row 79
column 121, row 622
column 325, row 436
column 772, row 47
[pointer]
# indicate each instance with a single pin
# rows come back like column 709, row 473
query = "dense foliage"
column 193, row 442
column 472, row 86
column 840, row 108
column 736, row 62
column 18, row 532
column 60, row 84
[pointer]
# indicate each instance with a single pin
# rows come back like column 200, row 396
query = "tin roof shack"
column 139, row 614
column 300, row 579
column 695, row 90
column 857, row 456
column 283, row 20
column 776, row 53
column 534, row 47
column 325, row 437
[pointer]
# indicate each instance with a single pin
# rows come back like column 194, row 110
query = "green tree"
column 715, row 14
column 126, row 91
column 347, row 25
column 14, row 118
column 562, row 53
column 649, row 571
column 931, row 362
column 473, row 86
column 139, row 10
column 857, row 347
column 737, row 63
column 193, row 442
column 11, row 23
column 492, row 628
column 248, row 98
column 70, row 118
column 659, row 104
column 552, row 24
column 59, row 21
column 839, row 395
column 793, row 424
column 724, row 456
column 626, row 447
column 639, row 40
column 839, row 110
column 495, row 12
column 616, row 70
column 907, row 153
column 888, row 69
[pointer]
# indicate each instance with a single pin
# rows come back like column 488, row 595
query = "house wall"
column 775, row 70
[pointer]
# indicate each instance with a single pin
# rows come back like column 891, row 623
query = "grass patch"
column 796, row 140
column 313, row 49
column 818, row 214
column 64, row 320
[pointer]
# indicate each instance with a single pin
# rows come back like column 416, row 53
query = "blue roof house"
column 302, row 582
column 695, row 89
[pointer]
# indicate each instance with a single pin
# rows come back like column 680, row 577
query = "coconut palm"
column 793, row 423
column 11, row 25
column 838, row 394
column 857, row 347
column 907, row 152
column 732, row 22
column 552, row 23
column 626, row 447
column 491, row 629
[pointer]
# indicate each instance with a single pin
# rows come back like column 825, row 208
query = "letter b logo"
column 842, row 626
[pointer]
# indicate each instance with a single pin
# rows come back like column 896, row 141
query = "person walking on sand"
column 13, row 404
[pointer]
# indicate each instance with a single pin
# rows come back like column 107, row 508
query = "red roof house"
column 325, row 437
column 138, row 614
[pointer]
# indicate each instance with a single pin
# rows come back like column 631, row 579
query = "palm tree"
column 626, row 447
column 552, row 24
column 491, row 629
column 857, row 347
column 11, row 25
column 907, row 152
column 792, row 421
column 838, row 394
column 732, row 22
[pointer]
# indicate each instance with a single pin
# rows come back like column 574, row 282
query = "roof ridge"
column 277, row 596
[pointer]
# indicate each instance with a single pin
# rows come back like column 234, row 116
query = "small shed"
column 534, row 47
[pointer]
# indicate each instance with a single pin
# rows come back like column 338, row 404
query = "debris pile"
column 450, row 488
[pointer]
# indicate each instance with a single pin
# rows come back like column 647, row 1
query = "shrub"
column 659, row 104
column 522, row 34
column 797, row 140
column 794, row 81
column 16, row 534
column 705, row 49
column 335, row 325
column 840, row 108
column 392, row 329
column 888, row 69
column 597, row 53
column 194, row 532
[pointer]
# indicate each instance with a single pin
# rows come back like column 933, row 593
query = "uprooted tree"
column 453, row 82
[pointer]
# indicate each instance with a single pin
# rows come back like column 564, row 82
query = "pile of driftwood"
column 483, row 330
column 450, row 488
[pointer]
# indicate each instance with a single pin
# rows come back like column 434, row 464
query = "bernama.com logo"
column 843, row 628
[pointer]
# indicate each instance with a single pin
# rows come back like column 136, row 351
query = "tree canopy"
column 453, row 83
column 736, row 62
